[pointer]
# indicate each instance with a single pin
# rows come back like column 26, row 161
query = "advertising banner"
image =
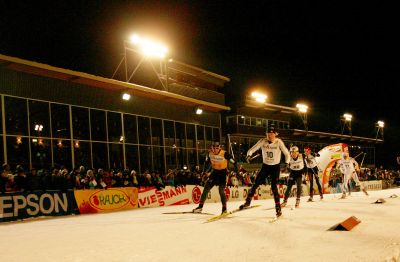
column 151, row 197
column 105, row 200
column 14, row 206
column 327, row 159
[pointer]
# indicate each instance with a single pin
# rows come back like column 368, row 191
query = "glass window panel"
column 116, row 156
column 145, row 158
column 264, row 123
column 209, row 138
column 39, row 118
column 169, row 133
column 158, row 159
column 17, row 151
column 1, row 150
column 60, row 121
column 170, row 157
column 192, row 157
column 100, row 155
column 242, row 120
column 130, row 129
column 190, row 134
column 80, row 122
column 258, row 122
column 182, row 157
column 82, row 154
column 216, row 135
column 144, row 130
column 98, row 125
column 1, row 118
column 202, row 158
column 16, row 116
column 156, row 132
column 253, row 121
column 41, row 153
column 180, row 134
column 132, row 157
column 247, row 121
column 200, row 137
column 62, row 153
column 114, row 127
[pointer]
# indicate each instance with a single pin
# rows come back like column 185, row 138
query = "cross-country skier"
column 296, row 166
column 217, row 159
column 312, row 172
column 349, row 167
column 272, row 148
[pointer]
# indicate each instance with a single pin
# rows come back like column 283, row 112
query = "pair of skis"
column 214, row 218
column 229, row 213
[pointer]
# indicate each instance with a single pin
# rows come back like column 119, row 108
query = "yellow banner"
column 112, row 199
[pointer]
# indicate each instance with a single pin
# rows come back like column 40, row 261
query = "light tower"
column 303, row 114
column 148, row 51
column 346, row 123
column 379, row 129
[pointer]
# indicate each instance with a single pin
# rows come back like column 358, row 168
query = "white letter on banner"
column 35, row 206
column 17, row 205
column 4, row 206
column 51, row 208
column 58, row 201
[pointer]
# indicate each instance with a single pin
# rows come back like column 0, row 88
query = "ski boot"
column 310, row 199
column 278, row 211
column 197, row 209
column 284, row 203
column 245, row 205
column 297, row 205
column 224, row 211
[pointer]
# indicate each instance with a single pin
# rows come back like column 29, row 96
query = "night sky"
column 337, row 56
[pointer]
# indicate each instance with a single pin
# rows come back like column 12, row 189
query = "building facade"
column 57, row 117
column 247, row 121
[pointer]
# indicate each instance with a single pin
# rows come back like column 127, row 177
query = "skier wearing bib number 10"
column 272, row 148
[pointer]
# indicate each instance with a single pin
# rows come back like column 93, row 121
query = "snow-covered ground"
column 148, row 235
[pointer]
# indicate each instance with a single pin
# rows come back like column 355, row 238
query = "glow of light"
column 199, row 111
column 60, row 144
column 38, row 128
column 34, row 140
column 19, row 140
column 302, row 108
column 259, row 97
column 381, row 124
column 121, row 139
column 76, row 144
column 126, row 96
column 148, row 47
column 347, row 117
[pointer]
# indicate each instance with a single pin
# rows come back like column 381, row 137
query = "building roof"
column 324, row 135
column 30, row 67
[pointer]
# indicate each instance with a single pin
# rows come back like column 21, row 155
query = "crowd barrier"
column 16, row 206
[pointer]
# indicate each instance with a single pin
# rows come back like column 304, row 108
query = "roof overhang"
column 324, row 135
column 44, row 70
column 270, row 107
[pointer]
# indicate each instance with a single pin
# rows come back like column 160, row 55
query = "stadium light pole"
column 347, row 118
column 379, row 129
column 303, row 114
column 148, row 50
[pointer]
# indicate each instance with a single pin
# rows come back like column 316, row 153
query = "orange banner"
column 112, row 199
